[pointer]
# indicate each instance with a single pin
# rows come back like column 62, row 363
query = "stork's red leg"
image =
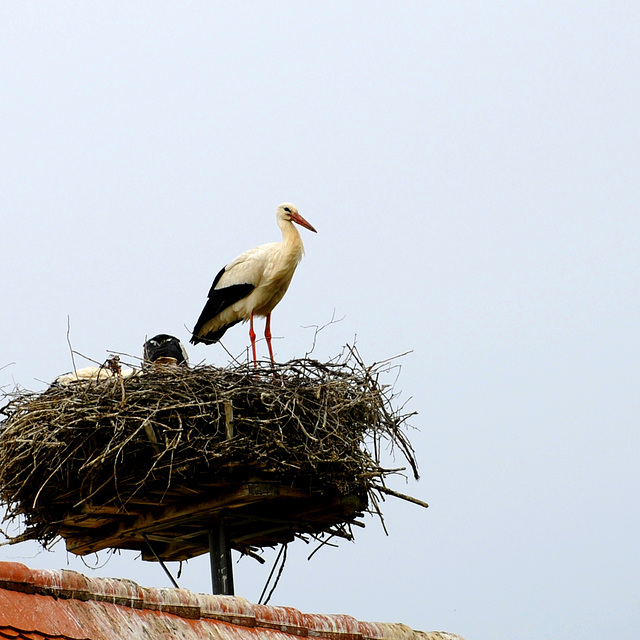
column 252, row 335
column 267, row 335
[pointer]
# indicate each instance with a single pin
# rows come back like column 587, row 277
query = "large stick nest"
column 170, row 432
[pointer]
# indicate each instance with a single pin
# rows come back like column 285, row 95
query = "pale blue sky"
column 472, row 170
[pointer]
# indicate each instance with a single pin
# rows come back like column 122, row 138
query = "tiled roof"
column 56, row 605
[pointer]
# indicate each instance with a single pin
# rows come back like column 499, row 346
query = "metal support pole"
column 220, row 556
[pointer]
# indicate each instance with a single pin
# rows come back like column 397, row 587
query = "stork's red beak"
column 296, row 217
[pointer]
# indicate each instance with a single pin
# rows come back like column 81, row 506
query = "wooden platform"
column 256, row 514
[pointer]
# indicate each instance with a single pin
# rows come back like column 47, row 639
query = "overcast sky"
column 472, row 170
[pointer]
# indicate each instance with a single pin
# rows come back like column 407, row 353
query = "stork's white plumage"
column 253, row 283
column 92, row 374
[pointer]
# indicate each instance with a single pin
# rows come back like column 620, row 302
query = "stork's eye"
column 287, row 209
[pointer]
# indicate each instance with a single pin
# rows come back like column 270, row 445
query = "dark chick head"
column 165, row 346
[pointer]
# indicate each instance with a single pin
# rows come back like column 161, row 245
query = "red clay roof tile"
column 65, row 605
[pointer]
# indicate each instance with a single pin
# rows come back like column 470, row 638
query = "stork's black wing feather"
column 219, row 300
column 215, row 281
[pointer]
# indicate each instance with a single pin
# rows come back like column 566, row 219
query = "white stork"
column 253, row 284
column 91, row 374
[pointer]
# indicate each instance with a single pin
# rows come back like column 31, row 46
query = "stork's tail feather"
column 204, row 339
column 213, row 336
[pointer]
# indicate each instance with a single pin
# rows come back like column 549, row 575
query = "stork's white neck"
column 291, row 237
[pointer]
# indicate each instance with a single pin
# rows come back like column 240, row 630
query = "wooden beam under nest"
column 256, row 514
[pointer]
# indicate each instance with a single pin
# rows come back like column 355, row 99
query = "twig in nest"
column 402, row 496
column 282, row 553
column 73, row 360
